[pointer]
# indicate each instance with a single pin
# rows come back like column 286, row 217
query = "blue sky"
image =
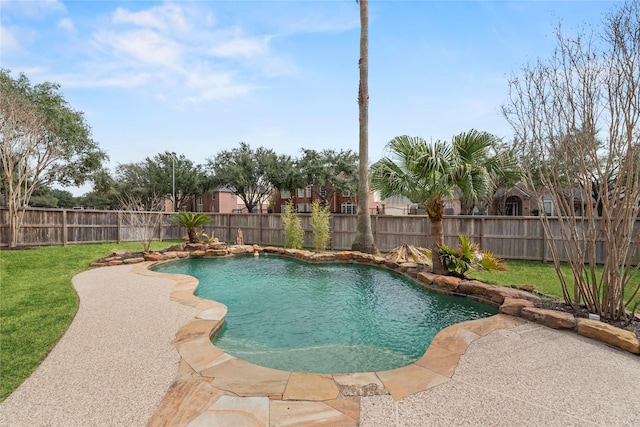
column 198, row 77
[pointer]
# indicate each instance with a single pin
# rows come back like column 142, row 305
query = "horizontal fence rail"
column 521, row 238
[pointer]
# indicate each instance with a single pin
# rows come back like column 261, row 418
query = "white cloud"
column 67, row 24
column 8, row 40
column 168, row 17
column 32, row 9
column 140, row 47
column 242, row 47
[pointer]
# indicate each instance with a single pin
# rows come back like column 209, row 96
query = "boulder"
column 604, row 332
column 133, row 260
column 324, row 256
column 115, row 262
column 427, row 277
column 407, row 265
column 241, row 249
column 198, row 253
column 474, row 287
column 216, row 252
column 551, row 318
column 343, row 256
column 153, row 256
column 447, row 282
column 513, row 306
column 171, row 254
column 362, row 257
column 183, row 254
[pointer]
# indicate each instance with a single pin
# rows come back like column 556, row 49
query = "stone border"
column 212, row 385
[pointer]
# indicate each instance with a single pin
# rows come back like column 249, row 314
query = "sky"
column 199, row 77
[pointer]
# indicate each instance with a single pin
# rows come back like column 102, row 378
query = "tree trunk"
column 364, row 241
column 435, row 210
column 193, row 236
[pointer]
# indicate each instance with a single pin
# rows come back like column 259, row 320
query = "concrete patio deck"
column 116, row 366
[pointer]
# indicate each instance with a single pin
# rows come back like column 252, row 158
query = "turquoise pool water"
column 328, row 318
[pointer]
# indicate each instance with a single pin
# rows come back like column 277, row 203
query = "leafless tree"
column 141, row 221
column 576, row 117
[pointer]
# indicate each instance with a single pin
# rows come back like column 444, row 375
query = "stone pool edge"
column 207, row 374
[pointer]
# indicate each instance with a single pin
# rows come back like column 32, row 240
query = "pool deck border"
column 215, row 388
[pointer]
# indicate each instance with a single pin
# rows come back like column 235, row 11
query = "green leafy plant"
column 320, row 225
column 293, row 233
column 467, row 256
column 190, row 221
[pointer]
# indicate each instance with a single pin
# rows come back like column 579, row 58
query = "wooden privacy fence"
column 509, row 237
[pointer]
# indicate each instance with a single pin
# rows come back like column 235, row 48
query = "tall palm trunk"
column 435, row 211
column 364, row 241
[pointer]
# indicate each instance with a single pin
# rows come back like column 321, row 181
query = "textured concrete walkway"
column 117, row 361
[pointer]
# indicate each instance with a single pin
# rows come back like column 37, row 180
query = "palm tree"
column 190, row 221
column 427, row 173
column 364, row 241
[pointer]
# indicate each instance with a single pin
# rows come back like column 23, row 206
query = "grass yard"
column 540, row 275
column 38, row 302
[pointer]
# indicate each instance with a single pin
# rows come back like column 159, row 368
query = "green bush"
column 467, row 256
column 293, row 233
column 190, row 221
column 320, row 225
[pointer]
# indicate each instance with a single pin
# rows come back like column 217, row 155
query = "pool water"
column 322, row 318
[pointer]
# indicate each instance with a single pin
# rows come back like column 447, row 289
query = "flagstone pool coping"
column 215, row 388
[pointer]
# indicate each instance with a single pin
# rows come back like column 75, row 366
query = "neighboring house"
column 515, row 201
column 220, row 200
column 339, row 202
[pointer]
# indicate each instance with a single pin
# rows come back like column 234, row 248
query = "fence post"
column 544, row 245
column 229, row 227
column 260, row 228
column 160, row 228
column 64, row 227
column 119, row 228
column 482, row 233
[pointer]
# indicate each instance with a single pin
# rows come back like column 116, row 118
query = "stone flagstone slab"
column 302, row 386
column 455, row 339
column 200, row 354
column 359, row 384
column 349, row 406
column 411, row 379
column 246, row 379
column 439, row 360
column 307, row 414
column 184, row 402
column 230, row 411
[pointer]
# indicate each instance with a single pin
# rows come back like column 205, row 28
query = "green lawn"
column 541, row 275
column 38, row 302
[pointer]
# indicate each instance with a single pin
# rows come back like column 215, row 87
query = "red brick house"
column 220, row 200
column 339, row 202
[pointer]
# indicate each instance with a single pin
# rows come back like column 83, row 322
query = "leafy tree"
column 563, row 110
column 245, row 172
column 338, row 169
column 364, row 241
column 427, row 173
column 44, row 141
column 46, row 197
column 165, row 169
column 190, row 221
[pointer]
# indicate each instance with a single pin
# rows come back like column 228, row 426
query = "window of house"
column 308, row 191
column 348, row 208
column 346, row 193
column 285, row 194
column 323, row 191
column 300, row 192
column 548, row 205
column 233, row 196
column 213, row 195
column 199, row 204
column 304, row 207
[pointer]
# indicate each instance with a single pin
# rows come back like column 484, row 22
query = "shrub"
column 190, row 221
column 320, row 225
column 293, row 233
column 467, row 256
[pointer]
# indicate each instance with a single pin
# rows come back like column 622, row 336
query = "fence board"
column 508, row 237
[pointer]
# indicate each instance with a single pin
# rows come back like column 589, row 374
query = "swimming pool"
column 323, row 318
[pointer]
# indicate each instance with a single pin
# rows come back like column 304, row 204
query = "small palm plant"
column 190, row 221
column 467, row 256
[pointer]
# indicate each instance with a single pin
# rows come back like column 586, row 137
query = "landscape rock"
column 216, row 252
column 427, row 278
column 551, row 318
column 447, row 282
column 344, row 255
column 133, row 260
column 513, row 306
column 610, row 334
column 153, row 256
column 198, row 253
